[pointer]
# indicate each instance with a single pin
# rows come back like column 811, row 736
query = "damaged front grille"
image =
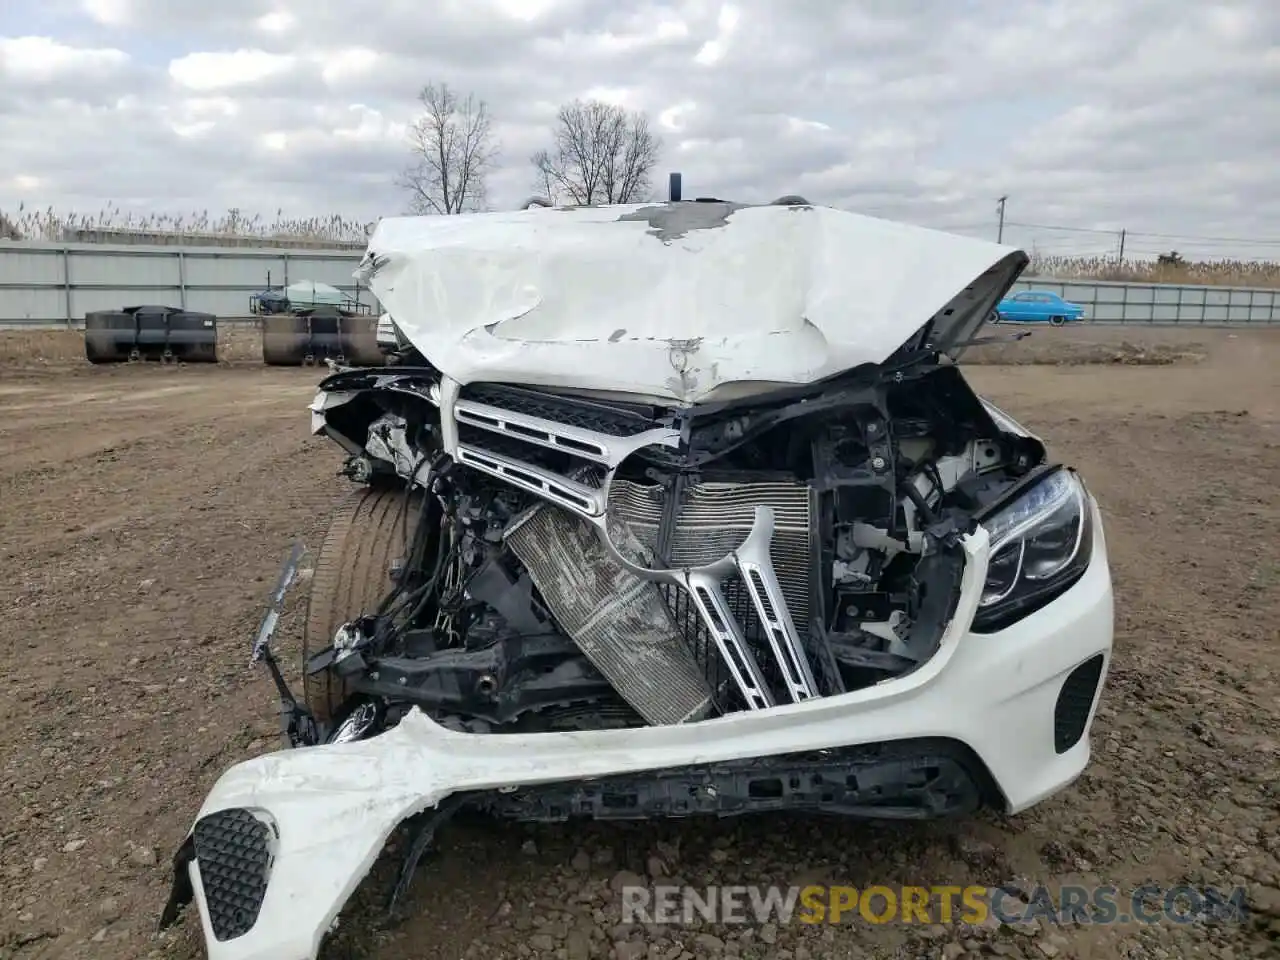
column 737, row 553
column 541, row 455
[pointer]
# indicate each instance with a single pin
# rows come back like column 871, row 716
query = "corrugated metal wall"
column 59, row 283
column 44, row 283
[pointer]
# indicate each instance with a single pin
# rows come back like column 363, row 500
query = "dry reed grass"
column 1218, row 273
column 50, row 225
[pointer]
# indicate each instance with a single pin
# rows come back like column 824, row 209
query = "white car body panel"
column 601, row 299
column 335, row 806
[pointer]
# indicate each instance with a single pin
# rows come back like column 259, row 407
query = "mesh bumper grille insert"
column 233, row 852
column 1075, row 700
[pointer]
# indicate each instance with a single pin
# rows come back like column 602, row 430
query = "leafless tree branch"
column 600, row 153
column 454, row 151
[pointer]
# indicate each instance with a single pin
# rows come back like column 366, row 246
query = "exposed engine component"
column 621, row 622
column 688, row 562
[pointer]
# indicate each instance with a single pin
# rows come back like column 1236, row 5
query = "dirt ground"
column 144, row 514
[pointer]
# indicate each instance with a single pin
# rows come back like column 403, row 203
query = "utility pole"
column 1000, row 231
column 1122, row 233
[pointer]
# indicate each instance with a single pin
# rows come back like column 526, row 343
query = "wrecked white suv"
column 668, row 510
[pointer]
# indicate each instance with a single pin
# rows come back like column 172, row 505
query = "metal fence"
column 44, row 284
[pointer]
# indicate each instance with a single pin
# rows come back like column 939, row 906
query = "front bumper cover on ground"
column 325, row 813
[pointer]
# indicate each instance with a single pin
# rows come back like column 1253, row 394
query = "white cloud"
column 370, row 126
column 344, row 65
column 1150, row 115
column 277, row 21
column 224, row 71
column 41, row 59
column 676, row 117
column 626, row 97
column 111, row 13
column 197, row 128
column 715, row 49
column 525, row 11
column 201, row 116
column 727, row 21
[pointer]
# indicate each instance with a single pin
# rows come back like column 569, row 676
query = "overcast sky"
column 1159, row 116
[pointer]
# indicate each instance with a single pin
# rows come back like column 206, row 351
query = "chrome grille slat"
column 551, row 486
column 756, row 570
column 590, row 445
column 727, row 635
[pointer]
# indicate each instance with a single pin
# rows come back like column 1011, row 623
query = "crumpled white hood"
column 674, row 301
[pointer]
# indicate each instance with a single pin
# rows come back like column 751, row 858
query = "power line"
column 1189, row 237
column 1118, row 241
column 1183, row 236
column 1044, row 226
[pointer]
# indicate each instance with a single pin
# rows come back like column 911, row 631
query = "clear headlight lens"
column 1041, row 542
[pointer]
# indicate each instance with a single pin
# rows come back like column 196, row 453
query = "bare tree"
column 601, row 153
column 454, row 150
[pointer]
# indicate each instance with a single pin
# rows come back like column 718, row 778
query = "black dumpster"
column 109, row 336
column 166, row 334
column 309, row 337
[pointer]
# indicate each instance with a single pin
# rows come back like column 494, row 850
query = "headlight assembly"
column 1041, row 543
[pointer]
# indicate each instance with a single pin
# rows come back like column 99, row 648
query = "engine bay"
column 578, row 562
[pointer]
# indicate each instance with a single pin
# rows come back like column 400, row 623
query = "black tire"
column 352, row 575
column 1057, row 321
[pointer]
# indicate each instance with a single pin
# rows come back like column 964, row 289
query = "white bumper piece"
column 332, row 808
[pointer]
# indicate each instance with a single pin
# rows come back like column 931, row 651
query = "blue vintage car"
column 1037, row 306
